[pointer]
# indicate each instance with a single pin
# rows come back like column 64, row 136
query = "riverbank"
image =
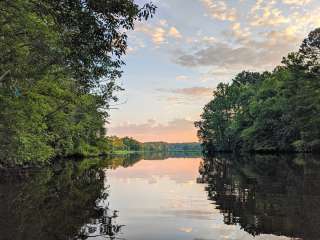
column 96, row 159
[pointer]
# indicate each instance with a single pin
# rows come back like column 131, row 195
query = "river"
column 165, row 197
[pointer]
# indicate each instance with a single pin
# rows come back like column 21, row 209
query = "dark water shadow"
column 66, row 201
column 265, row 194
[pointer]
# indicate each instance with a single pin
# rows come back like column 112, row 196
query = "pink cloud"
column 192, row 91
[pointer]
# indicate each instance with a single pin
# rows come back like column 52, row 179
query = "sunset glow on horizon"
column 175, row 132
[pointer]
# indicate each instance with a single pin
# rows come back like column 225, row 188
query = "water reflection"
column 114, row 161
column 154, row 197
column 277, row 195
column 67, row 201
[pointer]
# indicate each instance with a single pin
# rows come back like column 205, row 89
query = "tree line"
column 277, row 111
column 127, row 144
column 59, row 65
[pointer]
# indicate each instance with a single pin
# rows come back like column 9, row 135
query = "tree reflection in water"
column 66, row 201
column 105, row 225
column 266, row 194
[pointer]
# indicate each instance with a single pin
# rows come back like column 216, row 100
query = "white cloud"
column 219, row 10
column 160, row 32
column 185, row 229
column 135, row 44
column 296, row 2
column 209, row 39
column 173, row 32
column 240, row 33
column 163, row 22
column 182, row 78
column 158, row 35
column 265, row 13
column 256, row 42
column 250, row 54
column 301, row 22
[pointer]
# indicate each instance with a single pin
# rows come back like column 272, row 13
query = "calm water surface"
column 160, row 199
column 137, row 199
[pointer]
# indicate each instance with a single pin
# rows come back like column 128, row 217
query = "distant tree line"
column 59, row 65
column 276, row 111
column 171, row 147
column 128, row 144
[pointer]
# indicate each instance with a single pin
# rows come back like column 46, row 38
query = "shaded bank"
column 275, row 194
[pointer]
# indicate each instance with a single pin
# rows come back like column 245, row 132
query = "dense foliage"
column 270, row 111
column 126, row 144
column 58, row 69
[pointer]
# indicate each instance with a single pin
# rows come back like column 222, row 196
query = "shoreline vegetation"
column 269, row 112
column 116, row 157
column 128, row 145
column 59, row 69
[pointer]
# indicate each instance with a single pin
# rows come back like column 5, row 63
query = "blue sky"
column 176, row 59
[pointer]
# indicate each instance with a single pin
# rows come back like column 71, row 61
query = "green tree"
column 268, row 112
column 58, row 69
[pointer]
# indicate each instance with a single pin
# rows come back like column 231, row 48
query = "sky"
column 176, row 59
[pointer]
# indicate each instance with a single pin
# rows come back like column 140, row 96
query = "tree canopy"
column 58, row 69
column 268, row 112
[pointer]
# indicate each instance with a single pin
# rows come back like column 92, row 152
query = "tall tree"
column 58, row 69
column 278, row 111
